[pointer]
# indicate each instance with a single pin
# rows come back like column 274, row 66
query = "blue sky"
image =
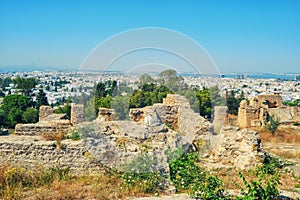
column 240, row 35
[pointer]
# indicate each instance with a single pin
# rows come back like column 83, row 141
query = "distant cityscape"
column 59, row 85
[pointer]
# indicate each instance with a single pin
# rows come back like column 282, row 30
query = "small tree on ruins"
column 273, row 124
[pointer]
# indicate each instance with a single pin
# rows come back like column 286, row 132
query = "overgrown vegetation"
column 15, row 180
column 273, row 124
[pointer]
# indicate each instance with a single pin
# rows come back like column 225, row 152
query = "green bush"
column 264, row 188
column 142, row 174
column 273, row 125
column 75, row 135
column 186, row 175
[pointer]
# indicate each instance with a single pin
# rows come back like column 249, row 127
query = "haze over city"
column 240, row 36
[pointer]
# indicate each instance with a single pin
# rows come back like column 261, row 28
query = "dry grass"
column 58, row 136
column 283, row 135
column 83, row 187
column 231, row 179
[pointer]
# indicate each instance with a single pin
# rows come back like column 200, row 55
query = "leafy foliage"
column 273, row 124
column 14, row 106
column 25, row 84
column 233, row 103
column 41, row 99
column 142, row 174
column 265, row 187
column 31, row 115
column 66, row 109
column 188, row 176
column 147, row 95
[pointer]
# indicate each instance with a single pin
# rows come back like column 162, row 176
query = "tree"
column 216, row 98
column 170, row 79
column 273, row 124
column 146, row 79
column 121, row 106
column 100, row 91
column 204, row 102
column 233, row 103
column 41, row 99
column 14, row 106
column 31, row 115
column 66, row 109
column 25, row 84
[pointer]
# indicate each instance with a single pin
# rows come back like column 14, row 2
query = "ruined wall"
column 255, row 114
column 220, row 117
column 45, row 111
column 42, row 128
column 175, row 112
column 106, row 114
column 77, row 113
column 235, row 148
column 31, row 152
column 266, row 101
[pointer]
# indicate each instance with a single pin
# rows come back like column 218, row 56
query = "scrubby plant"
column 273, row 124
column 186, row 175
column 142, row 174
column 14, row 180
column 75, row 135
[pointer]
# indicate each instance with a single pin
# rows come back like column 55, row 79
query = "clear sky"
column 240, row 35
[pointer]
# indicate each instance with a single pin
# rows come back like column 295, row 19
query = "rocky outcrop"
column 235, row 148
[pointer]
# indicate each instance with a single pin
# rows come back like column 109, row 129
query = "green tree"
column 204, row 102
column 14, row 106
column 66, row 109
column 216, row 98
column 31, row 115
column 25, row 84
column 121, row 106
column 100, row 91
column 233, row 103
column 273, row 124
column 170, row 79
column 145, row 79
column 41, row 99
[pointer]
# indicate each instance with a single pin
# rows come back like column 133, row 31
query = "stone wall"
column 77, row 113
column 220, row 118
column 42, row 128
column 257, row 112
column 32, row 152
column 175, row 112
column 45, row 111
column 106, row 114
column 235, row 148
column 266, row 101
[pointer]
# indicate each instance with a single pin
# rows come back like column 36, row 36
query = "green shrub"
column 264, row 188
column 142, row 174
column 273, row 125
column 75, row 135
column 188, row 176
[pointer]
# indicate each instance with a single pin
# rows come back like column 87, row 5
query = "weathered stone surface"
column 235, row 148
column 257, row 112
column 220, row 118
column 51, row 124
column 45, row 111
column 106, row 114
column 32, row 152
column 77, row 113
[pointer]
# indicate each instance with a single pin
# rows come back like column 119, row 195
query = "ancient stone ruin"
column 256, row 113
column 105, row 142
column 77, row 113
